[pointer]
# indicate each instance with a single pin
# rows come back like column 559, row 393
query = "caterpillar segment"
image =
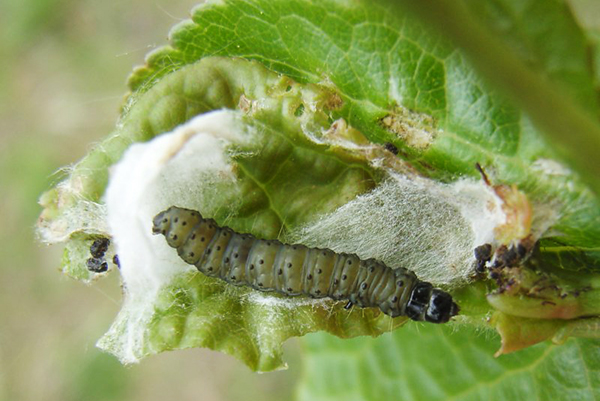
column 293, row 269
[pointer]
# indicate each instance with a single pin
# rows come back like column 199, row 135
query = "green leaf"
column 543, row 79
column 552, row 41
column 190, row 313
column 422, row 362
column 329, row 84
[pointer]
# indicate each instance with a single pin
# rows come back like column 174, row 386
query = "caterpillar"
column 292, row 270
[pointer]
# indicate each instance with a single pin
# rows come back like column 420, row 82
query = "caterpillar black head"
column 430, row 304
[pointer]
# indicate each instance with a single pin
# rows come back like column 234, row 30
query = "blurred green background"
column 64, row 64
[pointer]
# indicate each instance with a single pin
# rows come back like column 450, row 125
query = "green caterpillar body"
column 269, row 265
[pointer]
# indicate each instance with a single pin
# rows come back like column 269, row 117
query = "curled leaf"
column 351, row 128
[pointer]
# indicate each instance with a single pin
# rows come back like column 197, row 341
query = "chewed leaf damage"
column 417, row 130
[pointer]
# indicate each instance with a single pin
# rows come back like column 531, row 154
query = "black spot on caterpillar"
column 269, row 265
